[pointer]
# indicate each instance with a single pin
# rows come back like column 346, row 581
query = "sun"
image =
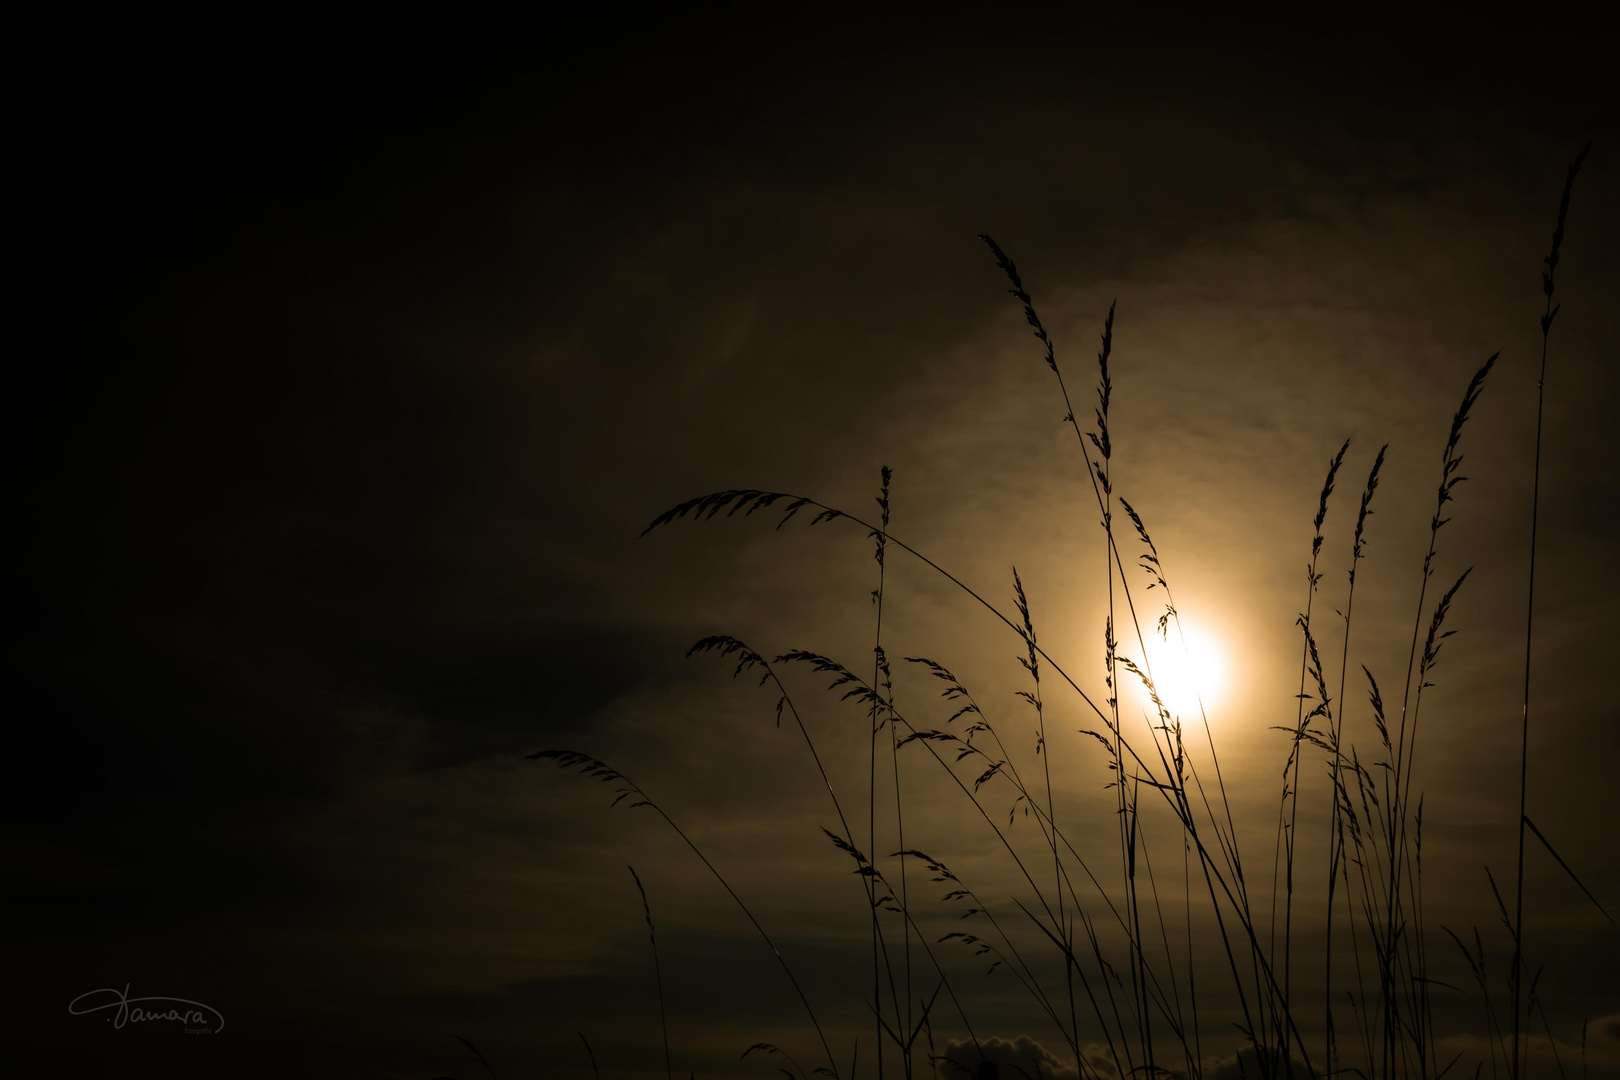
column 1189, row 669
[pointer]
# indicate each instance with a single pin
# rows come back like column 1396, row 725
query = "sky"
column 364, row 354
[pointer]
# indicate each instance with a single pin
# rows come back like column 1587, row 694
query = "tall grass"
column 1549, row 312
column 1133, row 996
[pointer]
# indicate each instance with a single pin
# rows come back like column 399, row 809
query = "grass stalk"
column 1336, row 843
column 1549, row 312
column 628, row 789
column 658, row 972
column 1286, row 835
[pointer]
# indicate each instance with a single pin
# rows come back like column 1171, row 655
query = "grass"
column 1105, row 950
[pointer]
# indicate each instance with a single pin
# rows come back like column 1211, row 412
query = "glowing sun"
column 1189, row 670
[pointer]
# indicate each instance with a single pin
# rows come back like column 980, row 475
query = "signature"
column 197, row 1017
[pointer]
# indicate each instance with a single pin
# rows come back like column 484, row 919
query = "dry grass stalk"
column 1110, row 929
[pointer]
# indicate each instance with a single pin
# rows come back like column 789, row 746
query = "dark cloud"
column 1014, row 1057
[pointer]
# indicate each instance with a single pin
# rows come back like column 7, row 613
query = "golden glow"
column 1188, row 668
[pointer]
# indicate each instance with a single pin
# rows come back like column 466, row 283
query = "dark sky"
column 359, row 353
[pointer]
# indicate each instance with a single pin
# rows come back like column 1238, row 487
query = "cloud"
column 1018, row 1058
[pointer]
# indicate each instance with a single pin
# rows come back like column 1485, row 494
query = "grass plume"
column 1105, row 947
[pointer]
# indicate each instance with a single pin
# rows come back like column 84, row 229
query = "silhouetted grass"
column 1549, row 313
column 1129, row 987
